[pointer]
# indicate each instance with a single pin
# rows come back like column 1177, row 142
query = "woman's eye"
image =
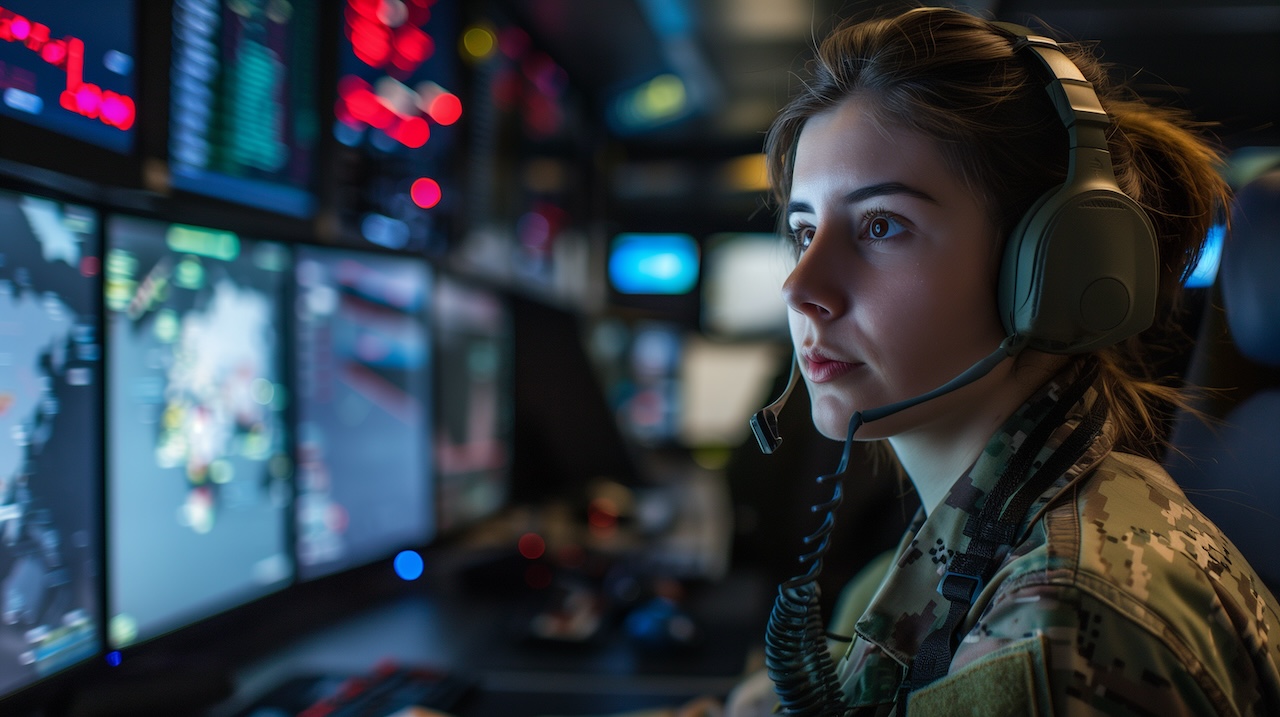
column 881, row 226
column 802, row 237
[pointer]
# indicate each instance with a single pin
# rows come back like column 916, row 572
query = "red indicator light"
column 366, row 107
column 370, row 42
column 89, row 266
column 368, row 8
column 412, row 47
column 88, row 99
column 118, row 110
column 412, row 132
column 20, row 28
column 531, row 546
column 54, row 53
column 426, row 194
column 445, row 109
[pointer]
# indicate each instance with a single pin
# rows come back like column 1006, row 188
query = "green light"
column 212, row 243
column 661, row 97
column 121, row 264
column 167, row 326
column 189, row 274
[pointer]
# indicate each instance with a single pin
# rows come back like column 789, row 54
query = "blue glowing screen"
column 653, row 263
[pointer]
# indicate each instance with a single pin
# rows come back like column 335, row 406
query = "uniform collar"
column 908, row 607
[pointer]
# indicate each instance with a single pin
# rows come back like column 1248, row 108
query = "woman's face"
column 893, row 294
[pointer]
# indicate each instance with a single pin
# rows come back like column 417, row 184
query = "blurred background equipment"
column 355, row 348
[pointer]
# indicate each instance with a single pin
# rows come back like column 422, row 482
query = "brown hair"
column 957, row 79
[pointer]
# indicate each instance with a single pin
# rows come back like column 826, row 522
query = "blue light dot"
column 113, row 658
column 408, row 565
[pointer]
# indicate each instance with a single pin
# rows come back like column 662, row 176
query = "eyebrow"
column 864, row 193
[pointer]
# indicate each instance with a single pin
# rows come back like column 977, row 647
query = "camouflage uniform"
column 1117, row 598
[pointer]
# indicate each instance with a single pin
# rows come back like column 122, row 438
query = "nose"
column 816, row 286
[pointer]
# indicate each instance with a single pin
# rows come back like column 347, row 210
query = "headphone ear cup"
column 1080, row 272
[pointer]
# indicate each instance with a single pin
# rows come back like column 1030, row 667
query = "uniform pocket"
column 1010, row 682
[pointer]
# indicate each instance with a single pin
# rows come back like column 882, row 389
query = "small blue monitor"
column 661, row 264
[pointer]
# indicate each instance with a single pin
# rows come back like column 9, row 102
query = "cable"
column 796, row 653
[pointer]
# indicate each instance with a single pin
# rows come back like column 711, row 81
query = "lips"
column 820, row 368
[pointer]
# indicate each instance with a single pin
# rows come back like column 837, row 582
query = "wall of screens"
column 246, row 370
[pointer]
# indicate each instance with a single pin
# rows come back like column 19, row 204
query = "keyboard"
column 389, row 690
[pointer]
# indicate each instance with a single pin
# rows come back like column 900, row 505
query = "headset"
column 1079, row 272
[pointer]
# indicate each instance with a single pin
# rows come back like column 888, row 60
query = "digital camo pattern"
column 1118, row 598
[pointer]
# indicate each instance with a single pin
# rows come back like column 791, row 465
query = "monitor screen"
column 742, row 285
column 197, row 464
column 243, row 119
column 644, row 263
column 639, row 366
column 69, row 67
column 50, row 451
column 473, row 441
column 363, row 377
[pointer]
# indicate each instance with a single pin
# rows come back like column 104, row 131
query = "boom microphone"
column 764, row 424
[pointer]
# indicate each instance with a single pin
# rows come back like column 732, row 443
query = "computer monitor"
column 474, row 336
column 656, row 274
column 646, row 383
column 742, row 281
column 244, row 112
column 197, row 462
column 50, row 452
column 363, row 377
column 69, row 68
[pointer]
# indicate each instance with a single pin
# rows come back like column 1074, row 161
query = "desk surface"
column 474, row 635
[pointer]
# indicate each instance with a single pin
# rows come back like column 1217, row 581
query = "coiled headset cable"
column 796, row 653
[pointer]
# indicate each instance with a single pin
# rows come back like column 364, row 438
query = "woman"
column 1054, row 568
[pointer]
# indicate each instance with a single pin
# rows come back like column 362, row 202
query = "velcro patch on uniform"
column 1002, row 684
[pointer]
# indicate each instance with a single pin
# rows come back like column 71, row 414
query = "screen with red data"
column 69, row 67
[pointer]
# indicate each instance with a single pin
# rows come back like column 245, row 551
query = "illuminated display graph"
column 69, row 67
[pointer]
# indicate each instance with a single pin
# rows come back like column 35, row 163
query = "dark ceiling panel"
column 1224, row 60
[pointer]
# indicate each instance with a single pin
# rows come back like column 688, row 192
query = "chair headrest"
column 1250, row 272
